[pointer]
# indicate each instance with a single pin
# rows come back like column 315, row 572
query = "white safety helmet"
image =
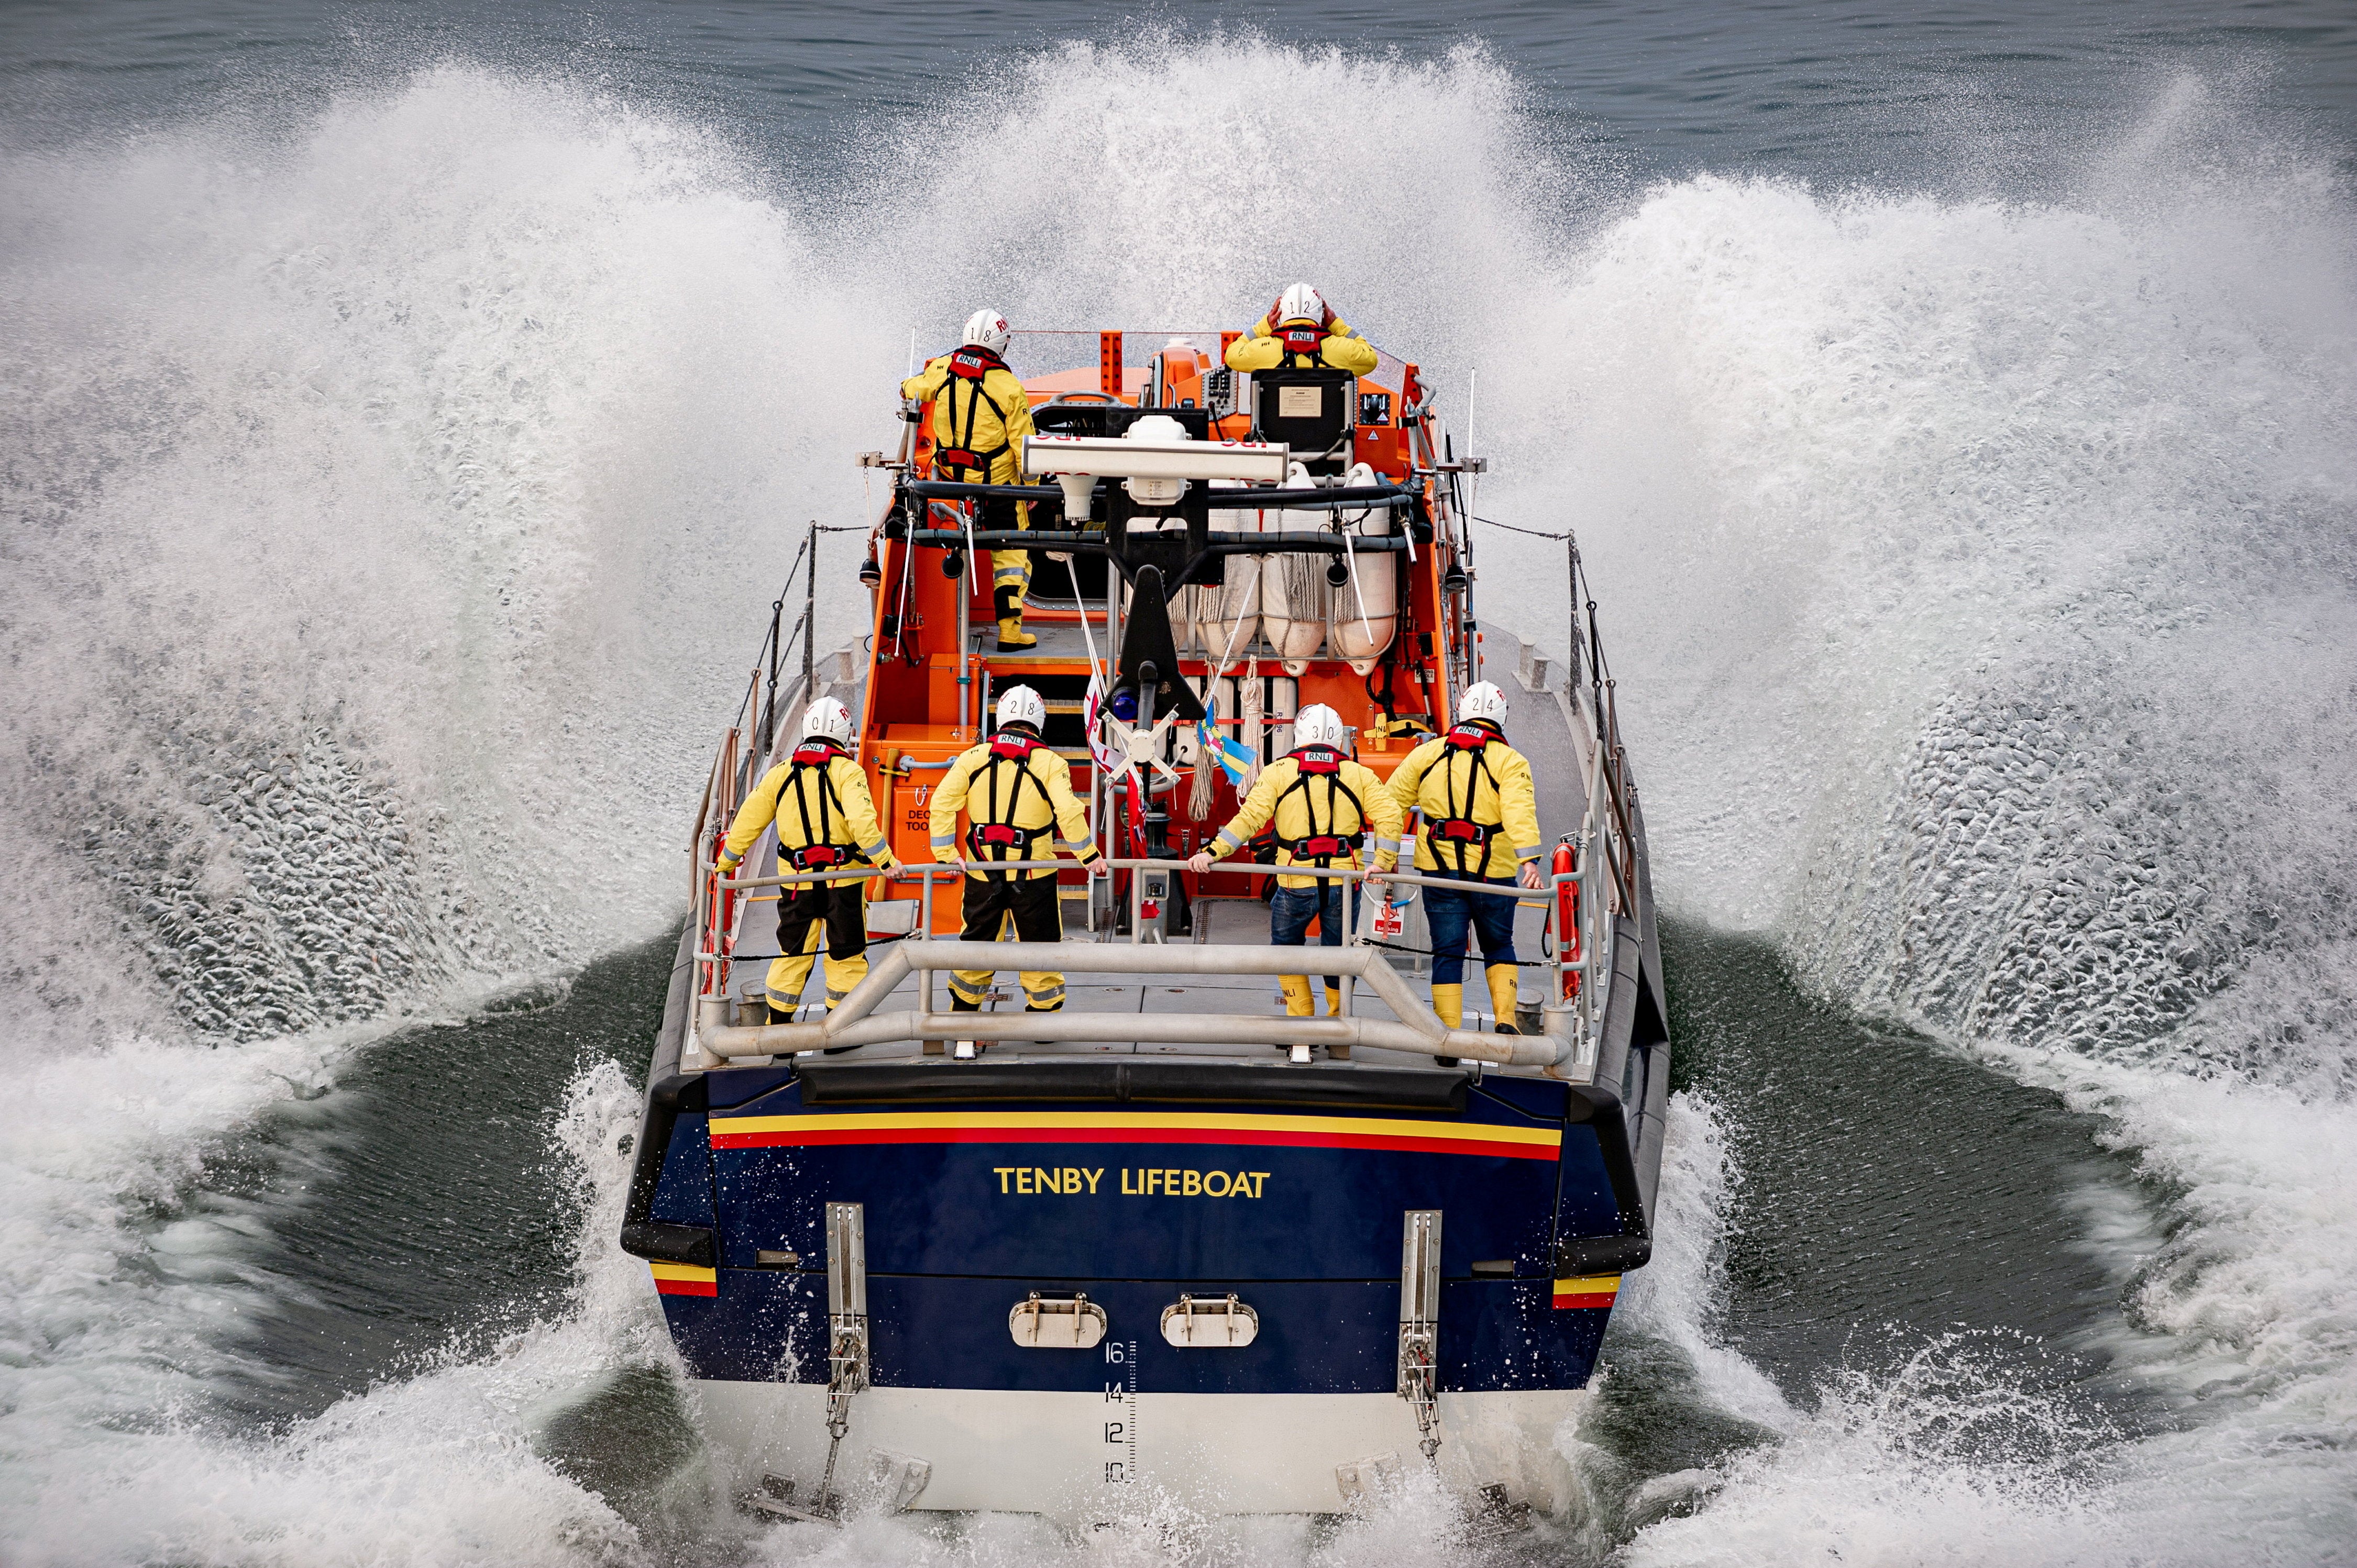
column 986, row 328
column 827, row 719
column 1300, row 303
column 1318, row 724
column 1021, row 705
column 1156, row 492
column 1483, row 701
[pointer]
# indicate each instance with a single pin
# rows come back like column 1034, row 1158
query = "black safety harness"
column 819, row 852
column 1322, row 849
column 970, row 365
column 1461, row 832
column 1000, row 838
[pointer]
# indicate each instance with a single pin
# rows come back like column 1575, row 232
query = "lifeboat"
column 1167, row 1242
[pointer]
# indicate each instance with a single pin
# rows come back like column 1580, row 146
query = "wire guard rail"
column 1566, row 1046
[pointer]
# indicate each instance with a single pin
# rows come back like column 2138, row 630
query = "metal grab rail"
column 1292, row 542
column 1569, row 1041
column 1241, row 499
column 926, row 870
column 855, row 1021
column 908, row 870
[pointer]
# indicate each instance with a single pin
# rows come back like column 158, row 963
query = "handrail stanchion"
column 1136, row 907
column 924, row 933
column 1350, row 902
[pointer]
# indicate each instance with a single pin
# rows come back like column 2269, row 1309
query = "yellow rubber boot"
column 1011, row 635
column 1333, row 1002
column 1297, row 996
column 1448, row 1001
column 1501, row 997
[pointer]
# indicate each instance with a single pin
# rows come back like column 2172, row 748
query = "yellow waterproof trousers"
column 833, row 913
column 1032, row 907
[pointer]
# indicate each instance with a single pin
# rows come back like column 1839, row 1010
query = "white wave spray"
column 1986, row 572
column 392, row 495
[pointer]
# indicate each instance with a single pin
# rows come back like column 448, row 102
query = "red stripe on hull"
column 687, row 1287
column 1562, row 1302
column 1128, row 1135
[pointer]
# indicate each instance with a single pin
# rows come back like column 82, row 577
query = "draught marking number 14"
column 1121, row 1388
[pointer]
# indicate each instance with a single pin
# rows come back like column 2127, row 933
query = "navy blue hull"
column 940, row 1332
column 972, row 1205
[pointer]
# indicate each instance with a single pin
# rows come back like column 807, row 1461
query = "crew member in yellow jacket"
column 981, row 415
column 1300, row 333
column 1016, row 794
column 826, row 822
column 1480, row 823
column 1322, row 805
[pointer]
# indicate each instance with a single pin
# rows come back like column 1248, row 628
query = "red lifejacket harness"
column 970, row 365
column 999, row 838
column 1321, row 848
column 1457, row 831
column 1304, row 346
column 818, row 852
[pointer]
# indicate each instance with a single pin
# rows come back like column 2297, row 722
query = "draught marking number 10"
column 1121, row 1388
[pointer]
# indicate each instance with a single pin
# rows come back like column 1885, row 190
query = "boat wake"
column 378, row 475
column 1999, row 554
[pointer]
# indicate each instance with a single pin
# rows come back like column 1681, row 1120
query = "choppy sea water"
column 407, row 416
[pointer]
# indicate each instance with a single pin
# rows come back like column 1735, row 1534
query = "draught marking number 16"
column 1121, row 1388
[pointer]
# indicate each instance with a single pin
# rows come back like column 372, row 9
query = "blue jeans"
column 1448, row 914
column 1291, row 909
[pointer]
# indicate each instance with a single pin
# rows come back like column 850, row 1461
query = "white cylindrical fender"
column 1366, row 608
column 1225, row 616
column 1294, row 597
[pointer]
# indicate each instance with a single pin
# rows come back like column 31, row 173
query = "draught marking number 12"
column 1121, row 1388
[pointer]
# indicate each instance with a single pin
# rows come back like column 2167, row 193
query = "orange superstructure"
column 927, row 695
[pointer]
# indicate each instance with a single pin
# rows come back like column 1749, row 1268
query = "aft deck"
column 1248, row 1007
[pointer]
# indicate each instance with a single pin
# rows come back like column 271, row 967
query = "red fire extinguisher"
column 1567, row 919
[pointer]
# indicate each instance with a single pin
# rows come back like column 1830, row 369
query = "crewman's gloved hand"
column 728, row 865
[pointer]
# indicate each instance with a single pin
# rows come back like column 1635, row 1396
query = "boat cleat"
column 1492, row 1515
column 776, row 1499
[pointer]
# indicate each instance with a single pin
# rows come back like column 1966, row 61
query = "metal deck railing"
column 1566, row 1046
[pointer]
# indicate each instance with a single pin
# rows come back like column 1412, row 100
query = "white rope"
column 1096, row 671
column 1198, row 794
column 1227, row 657
column 1351, row 556
column 1254, row 725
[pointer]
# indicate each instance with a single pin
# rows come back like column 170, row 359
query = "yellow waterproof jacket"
column 1488, row 786
column 1267, row 346
column 821, row 799
column 1010, row 782
column 1308, row 805
column 980, row 413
